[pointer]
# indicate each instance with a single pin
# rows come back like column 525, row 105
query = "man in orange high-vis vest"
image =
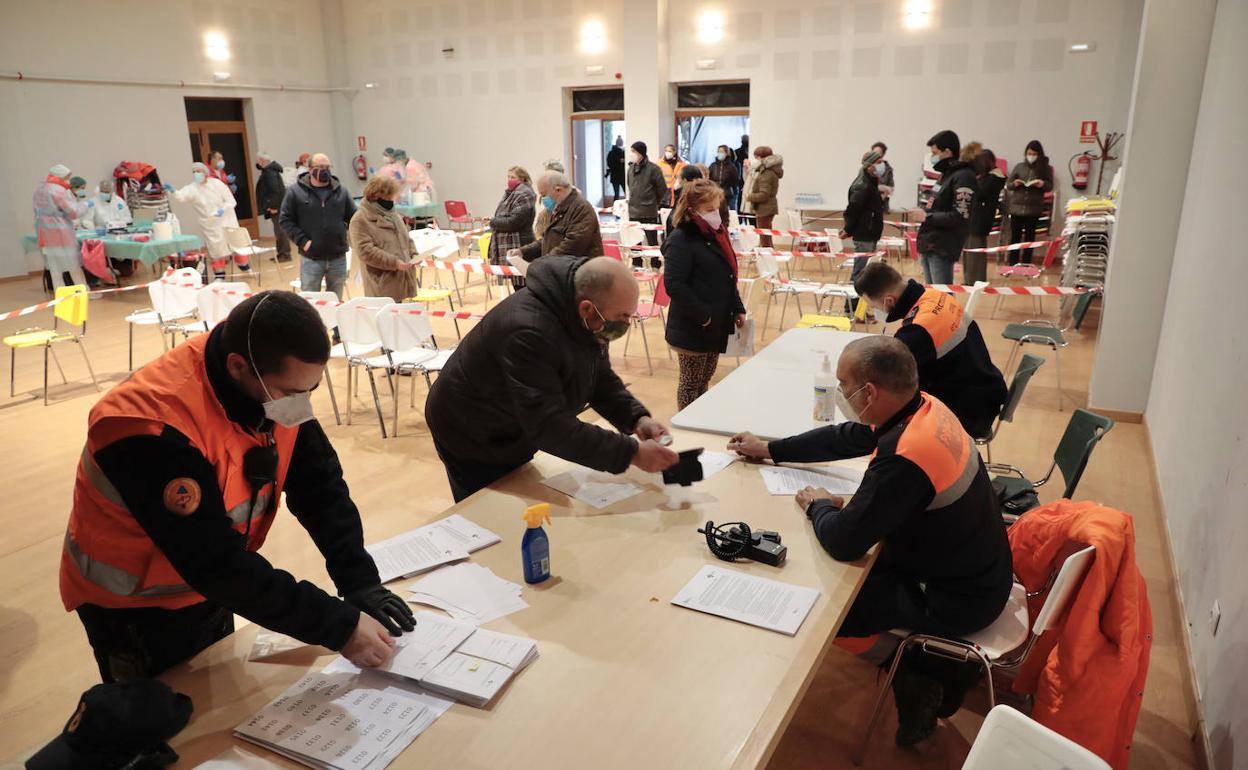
column 179, row 482
column 944, row 564
column 954, row 364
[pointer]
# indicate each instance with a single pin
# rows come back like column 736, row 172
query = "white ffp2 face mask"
column 844, row 407
column 712, row 218
column 289, row 411
column 880, row 314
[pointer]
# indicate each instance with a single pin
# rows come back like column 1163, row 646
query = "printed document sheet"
column 783, row 480
column 749, row 599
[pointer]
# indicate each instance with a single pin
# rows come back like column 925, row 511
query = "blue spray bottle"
column 535, row 546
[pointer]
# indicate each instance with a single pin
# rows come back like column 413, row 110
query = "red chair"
column 1030, row 272
column 612, row 249
column 912, row 244
column 645, row 311
column 457, row 212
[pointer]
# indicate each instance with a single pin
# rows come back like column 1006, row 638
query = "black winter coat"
column 700, row 282
column 864, row 215
column 615, row 165
column 270, row 189
column 944, row 231
column 306, row 217
column 985, row 203
column 518, row 380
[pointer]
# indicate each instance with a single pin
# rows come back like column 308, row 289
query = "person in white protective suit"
column 105, row 209
column 214, row 205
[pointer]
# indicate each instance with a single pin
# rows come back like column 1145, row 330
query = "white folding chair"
column 1007, row 738
column 242, row 244
column 1005, row 644
column 620, row 210
column 809, row 242
column 357, row 329
column 173, row 301
column 442, row 245
column 216, row 300
column 769, row 273
column 408, row 344
column 326, row 305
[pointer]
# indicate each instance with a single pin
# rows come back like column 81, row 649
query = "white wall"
column 498, row 102
column 1196, row 415
column 91, row 128
column 828, row 79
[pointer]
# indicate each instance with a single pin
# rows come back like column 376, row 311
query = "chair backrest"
column 734, row 219
column 400, row 329
column 456, row 208
column 631, row 234
column 73, row 310
column 174, row 294
column 356, row 323
column 1050, row 253
column 972, row 302
column 483, row 244
column 749, row 239
column 611, row 249
column 443, row 243
column 227, row 295
column 1083, row 432
column 835, row 244
column 326, row 305
column 1026, row 367
column 620, row 209
column 794, row 218
column 660, row 294
column 1082, row 303
column 768, row 267
column 664, row 214
column 1063, row 589
column 1010, row 739
column 239, row 239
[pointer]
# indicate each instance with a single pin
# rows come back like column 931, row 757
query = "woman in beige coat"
column 380, row 242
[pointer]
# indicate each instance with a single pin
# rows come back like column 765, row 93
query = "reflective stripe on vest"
column 935, row 441
column 114, row 579
column 943, row 319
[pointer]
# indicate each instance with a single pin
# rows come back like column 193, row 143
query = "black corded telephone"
column 734, row 540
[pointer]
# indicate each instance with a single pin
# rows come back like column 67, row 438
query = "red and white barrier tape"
column 1011, row 247
column 471, row 267
column 902, row 225
column 1033, row 291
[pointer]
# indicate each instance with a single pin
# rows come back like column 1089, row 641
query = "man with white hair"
column 520, row 379
column 270, row 190
column 573, row 227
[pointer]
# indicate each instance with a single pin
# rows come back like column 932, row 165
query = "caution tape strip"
column 470, row 267
column 1011, row 247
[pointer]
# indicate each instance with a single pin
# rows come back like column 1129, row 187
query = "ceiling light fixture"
column 216, row 47
column 1083, row 47
column 711, row 26
column 593, row 37
column 917, row 14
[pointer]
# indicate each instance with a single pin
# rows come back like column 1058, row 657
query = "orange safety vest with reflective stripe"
column 942, row 318
column 935, row 440
column 108, row 559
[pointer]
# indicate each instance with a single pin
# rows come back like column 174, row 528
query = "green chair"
column 1083, row 432
column 1022, row 376
column 1045, row 332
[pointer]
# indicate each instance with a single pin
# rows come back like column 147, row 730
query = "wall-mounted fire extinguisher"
column 1082, row 169
column 361, row 167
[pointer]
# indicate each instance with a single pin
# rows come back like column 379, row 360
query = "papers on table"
column 343, row 718
column 459, row 660
column 598, row 489
column 410, row 553
column 714, row 462
column 270, row 643
column 468, row 592
column 782, row 480
column 754, row 600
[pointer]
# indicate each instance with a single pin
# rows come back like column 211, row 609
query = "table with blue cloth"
column 122, row 246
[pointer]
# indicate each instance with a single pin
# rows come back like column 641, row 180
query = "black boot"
column 917, row 696
column 956, row 682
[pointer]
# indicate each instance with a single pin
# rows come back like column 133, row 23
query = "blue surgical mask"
column 106, row 197
column 220, row 164
column 548, row 203
column 879, row 169
column 721, row 156
column 936, row 159
column 199, row 177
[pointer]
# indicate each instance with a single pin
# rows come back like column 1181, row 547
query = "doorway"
column 592, row 139
column 699, row 134
column 221, row 125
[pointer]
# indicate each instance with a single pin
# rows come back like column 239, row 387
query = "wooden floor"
column 45, row 660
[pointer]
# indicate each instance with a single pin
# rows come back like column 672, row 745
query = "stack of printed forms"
column 468, row 592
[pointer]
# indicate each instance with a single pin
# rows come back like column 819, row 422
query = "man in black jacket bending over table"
column 944, row 564
column 517, row 381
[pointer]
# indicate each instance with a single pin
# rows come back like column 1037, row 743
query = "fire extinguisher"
column 1082, row 170
column 361, row 167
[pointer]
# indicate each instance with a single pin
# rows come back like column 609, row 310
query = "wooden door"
column 229, row 138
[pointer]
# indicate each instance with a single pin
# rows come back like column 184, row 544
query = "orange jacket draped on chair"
column 1087, row 674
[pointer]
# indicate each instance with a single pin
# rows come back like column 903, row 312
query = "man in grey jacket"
column 646, row 191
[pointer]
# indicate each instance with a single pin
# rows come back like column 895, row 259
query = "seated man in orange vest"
column 179, row 482
column 954, row 364
column 944, row 565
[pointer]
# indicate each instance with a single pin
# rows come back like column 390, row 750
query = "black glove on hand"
column 389, row 610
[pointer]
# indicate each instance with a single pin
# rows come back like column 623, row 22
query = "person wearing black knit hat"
column 647, row 190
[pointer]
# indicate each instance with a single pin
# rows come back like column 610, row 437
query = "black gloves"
column 389, row 610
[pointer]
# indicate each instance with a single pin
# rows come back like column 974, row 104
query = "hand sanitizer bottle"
column 825, row 381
